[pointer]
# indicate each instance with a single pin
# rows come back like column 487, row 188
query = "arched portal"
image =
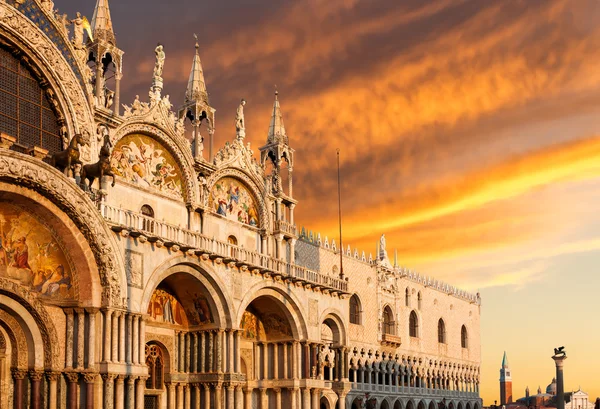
column 385, row 405
column 398, row 404
column 324, row 403
column 468, row 405
column 421, row 405
column 432, row 405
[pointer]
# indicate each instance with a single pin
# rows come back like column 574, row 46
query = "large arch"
column 44, row 187
column 53, row 66
column 332, row 317
column 287, row 300
column 219, row 301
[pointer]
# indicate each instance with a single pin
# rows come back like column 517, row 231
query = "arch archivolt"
column 21, row 172
column 220, row 303
column 289, row 302
column 335, row 315
column 72, row 97
column 176, row 147
column 251, row 183
column 17, row 340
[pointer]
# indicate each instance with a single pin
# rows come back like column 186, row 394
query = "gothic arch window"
column 147, row 220
column 388, row 321
column 355, row 310
column 419, row 299
column 232, row 240
column 413, row 325
column 27, row 114
column 156, row 365
column 464, row 337
column 407, row 297
column 441, row 331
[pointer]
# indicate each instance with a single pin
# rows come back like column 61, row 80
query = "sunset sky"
column 468, row 131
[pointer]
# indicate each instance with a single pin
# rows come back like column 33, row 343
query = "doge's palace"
column 143, row 268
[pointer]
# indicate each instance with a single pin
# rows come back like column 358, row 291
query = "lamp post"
column 559, row 358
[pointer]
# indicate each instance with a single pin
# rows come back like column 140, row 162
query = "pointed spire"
column 102, row 27
column 504, row 361
column 196, row 88
column 276, row 128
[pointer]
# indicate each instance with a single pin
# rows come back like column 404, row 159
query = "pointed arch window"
column 407, row 297
column 355, row 310
column 155, row 364
column 441, row 331
column 413, row 325
column 464, row 337
column 419, row 299
column 388, row 321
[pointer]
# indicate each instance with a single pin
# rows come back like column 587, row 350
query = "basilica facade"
column 140, row 268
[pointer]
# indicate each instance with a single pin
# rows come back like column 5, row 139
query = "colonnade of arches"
column 389, row 402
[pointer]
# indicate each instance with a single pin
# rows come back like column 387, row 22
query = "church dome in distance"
column 551, row 389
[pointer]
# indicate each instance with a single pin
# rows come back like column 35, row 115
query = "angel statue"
column 160, row 61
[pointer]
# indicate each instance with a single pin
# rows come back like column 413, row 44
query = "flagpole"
column 340, row 215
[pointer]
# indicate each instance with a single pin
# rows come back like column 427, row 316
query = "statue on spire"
column 240, row 122
column 160, row 61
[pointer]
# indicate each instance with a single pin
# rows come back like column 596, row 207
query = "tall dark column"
column 19, row 377
column 560, row 386
column 36, row 399
column 72, row 379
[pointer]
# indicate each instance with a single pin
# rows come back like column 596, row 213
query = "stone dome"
column 551, row 389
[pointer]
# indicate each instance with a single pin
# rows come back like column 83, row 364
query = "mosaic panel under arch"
column 32, row 256
column 142, row 161
column 165, row 307
column 232, row 199
column 256, row 326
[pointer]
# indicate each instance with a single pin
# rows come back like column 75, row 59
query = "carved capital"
column 109, row 377
column 36, row 375
column 53, row 376
column 19, row 374
column 90, row 377
column 72, row 377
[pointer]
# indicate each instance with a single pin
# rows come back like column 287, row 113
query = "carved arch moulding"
column 26, row 171
column 249, row 182
column 19, row 30
column 182, row 154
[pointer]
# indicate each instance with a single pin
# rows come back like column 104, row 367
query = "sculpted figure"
column 240, row 123
column 160, row 61
column 99, row 169
column 382, row 243
column 137, row 105
column 78, row 31
column 67, row 159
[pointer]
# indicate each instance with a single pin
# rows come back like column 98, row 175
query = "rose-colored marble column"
column 72, row 379
column 36, row 397
column 90, row 381
column 53, row 378
column 19, row 378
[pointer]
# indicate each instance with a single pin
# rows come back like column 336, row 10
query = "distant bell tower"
column 505, row 382
column 106, row 60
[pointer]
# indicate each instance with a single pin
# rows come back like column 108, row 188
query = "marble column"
column 80, row 336
column 202, row 360
column 117, row 100
column 256, row 361
column 265, row 360
column 264, row 398
column 179, row 396
column 187, row 396
column 129, row 338
column 53, row 378
column 211, row 352
column 194, row 353
column 277, row 397
column 275, row 361
column 341, row 401
column 181, row 353
column 285, row 360
column 120, row 392
column 248, row 398
column 106, row 354
column 306, row 360
column 35, row 378
column 69, row 338
column 239, row 398
column 230, row 357
column 135, row 339
column 559, row 360
column 72, row 379
column 306, row 396
column 316, row 397
column 230, row 396
column 187, row 351
column 171, row 397
column 293, row 397
column 221, row 348
column 140, row 387
column 91, row 357
column 206, row 395
column 19, row 376
column 109, row 396
column 130, row 404
column 142, row 341
column 238, row 361
column 297, row 360
column 196, row 396
column 90, row 384
column 121, row 337
column 219, row 396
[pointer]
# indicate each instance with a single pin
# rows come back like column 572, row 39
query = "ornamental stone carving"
column 17, row 340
